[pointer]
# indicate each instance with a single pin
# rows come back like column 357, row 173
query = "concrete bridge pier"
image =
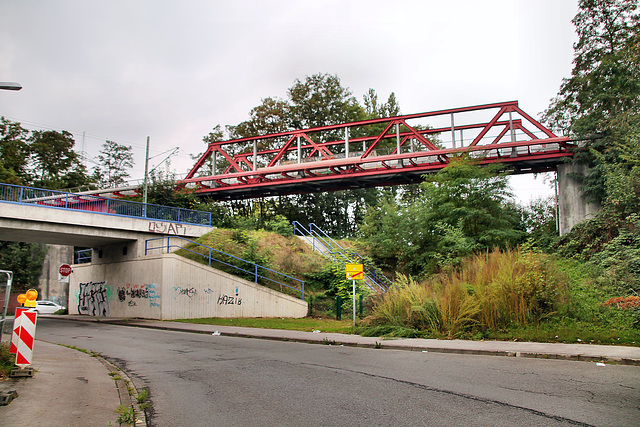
column 573, row 208
column 50, row 287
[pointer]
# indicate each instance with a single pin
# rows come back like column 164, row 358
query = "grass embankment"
column 287, row 255
column 513, row 295
column 281, row 256
column 307, row 324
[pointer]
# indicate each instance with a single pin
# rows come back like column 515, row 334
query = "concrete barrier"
column 168, row 287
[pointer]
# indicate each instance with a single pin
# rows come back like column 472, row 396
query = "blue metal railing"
column 102, row 205
column 248, row 270
column 324, row 244
column 83, row 256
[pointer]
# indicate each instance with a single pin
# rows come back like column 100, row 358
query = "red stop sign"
column 65, row 270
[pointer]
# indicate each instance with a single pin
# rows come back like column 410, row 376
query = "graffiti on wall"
column 131, row 294
column 154, row 297
column 190, row 291
column 229, row 300
column 93, row 299
column 223, row 299
column 167, row 228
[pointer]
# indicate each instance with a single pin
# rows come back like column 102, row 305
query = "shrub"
column 7, row 360
column 489, row 291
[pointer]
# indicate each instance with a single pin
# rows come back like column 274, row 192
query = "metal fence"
column 6, row 285
column 102, row 205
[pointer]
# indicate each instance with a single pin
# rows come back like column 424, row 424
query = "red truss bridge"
column 377, row 152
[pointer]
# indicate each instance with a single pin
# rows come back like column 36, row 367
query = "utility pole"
column 146, row 178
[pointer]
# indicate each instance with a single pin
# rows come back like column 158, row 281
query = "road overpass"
column 127, row 277
column 46, row 216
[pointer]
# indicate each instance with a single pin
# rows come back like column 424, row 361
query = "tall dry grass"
column 287, row 255
column 489, row 291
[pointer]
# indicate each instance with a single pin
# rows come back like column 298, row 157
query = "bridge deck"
column 318, row 159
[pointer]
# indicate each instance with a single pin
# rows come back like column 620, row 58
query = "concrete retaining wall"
column 171, row 287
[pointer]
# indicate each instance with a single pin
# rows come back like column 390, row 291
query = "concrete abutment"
column 168, row 286
column 573, row 208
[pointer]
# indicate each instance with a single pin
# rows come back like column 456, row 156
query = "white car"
column 47, row 307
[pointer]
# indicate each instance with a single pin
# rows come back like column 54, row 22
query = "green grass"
column 306, row 324
column 570, row 332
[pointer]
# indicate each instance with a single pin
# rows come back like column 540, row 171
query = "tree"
column 321, row 100
column 463, row 209
column 25, row 261
column 269, row 117
column 14, row 153
column 317, row 100
column 601, row 100
column 114, row 160
column 539, row 218
column 602, row 97
column 57, row 165
column 162, row 191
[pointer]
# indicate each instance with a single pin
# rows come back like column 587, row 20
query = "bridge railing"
column 323, row 243
column 215, row 258
column 103, row 205
column 84, row 256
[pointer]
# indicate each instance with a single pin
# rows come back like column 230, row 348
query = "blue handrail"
column 83, row 256
column 334, row 251
column 101, row 205
column 255, row 270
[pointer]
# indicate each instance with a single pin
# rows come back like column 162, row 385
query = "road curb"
column 125, row 385
column 390, row 346
column 337, row 339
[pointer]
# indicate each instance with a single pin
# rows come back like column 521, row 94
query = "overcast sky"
column 127, row 69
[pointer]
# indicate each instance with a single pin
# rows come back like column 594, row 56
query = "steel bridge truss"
column 377, row 152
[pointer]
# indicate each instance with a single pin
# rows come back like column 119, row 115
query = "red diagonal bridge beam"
column 310, row 160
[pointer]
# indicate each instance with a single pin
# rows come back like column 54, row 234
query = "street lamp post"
column 10, row 86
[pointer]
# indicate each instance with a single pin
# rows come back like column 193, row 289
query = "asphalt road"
column 205, row 380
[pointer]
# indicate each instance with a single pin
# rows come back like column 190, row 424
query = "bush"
column 490, row 291
column 280, row 225
column 7, row 360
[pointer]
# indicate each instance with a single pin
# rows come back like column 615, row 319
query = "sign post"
column 354, row 272
column 63, row 273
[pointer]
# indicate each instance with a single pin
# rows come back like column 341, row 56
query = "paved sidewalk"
column 582, row 352
column 68, row 388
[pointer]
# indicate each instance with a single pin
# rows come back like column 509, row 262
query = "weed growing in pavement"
column 142, row 399
column 85, row 351
column 126, row 414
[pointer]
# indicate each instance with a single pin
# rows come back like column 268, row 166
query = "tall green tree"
column 25, row 261
column 114, row 162
column 462, row 209
column 601, row 100
column 14, row 153
column 321, row 100
column 55, row 163
column 601, row 103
